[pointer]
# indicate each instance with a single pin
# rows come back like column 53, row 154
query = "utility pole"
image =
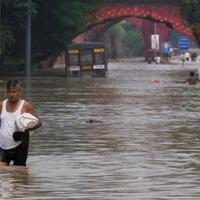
column 155, row 28
column 0, row 12
column 155, row 33
column 0, row 26
column 28, row 42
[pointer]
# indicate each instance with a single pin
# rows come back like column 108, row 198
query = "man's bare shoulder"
column 27, row 106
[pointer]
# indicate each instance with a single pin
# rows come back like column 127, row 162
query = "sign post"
column 165, row 48
column 28, row 42
column 155, row 42
column 183, row 45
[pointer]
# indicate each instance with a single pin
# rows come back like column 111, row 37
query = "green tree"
column 191, row 12
column 12, row 25
column 57, row 23
column 54, row 25
column 134, row 43
column 6, row 40
column 129, row 37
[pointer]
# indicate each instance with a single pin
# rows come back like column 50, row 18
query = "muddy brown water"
column 143, row 142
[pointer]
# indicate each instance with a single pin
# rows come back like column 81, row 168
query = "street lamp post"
column 0, row 27
column 155, row 32
column 28, row 42
column 0, row 11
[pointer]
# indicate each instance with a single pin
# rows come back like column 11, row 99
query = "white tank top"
column 8, row 126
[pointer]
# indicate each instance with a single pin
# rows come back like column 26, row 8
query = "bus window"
column 86, row 57
column 73, row 59
column 99, row 58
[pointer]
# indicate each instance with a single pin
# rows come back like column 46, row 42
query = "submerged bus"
column 86, row 59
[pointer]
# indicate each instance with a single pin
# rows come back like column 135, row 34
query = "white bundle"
column 26, row 121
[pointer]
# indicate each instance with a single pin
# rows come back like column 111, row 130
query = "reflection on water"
column 13, row 182
column 144, row 145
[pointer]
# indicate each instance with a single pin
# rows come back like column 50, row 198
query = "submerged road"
column 143, row 142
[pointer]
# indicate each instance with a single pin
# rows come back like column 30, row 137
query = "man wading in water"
column 192, row 80
column 14, row 143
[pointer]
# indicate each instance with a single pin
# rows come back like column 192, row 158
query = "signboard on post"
column 155, row 42
column 165, row 47
column 183, row 43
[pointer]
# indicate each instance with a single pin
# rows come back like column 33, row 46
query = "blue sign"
column 183, row 43
column 165, row 47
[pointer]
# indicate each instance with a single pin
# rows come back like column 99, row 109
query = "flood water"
column 143, row 142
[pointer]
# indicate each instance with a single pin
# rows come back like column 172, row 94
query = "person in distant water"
column 187, row 56
column 192, row 80
column 13, row 144
column 198, row 73
column 182, row 56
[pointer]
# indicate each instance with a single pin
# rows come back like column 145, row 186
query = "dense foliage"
column 191, row 12
column 133, row 40
column 12, row 26
column 54, row 24
column 126, row 40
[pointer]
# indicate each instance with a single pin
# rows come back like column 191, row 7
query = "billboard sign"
column 155, row 41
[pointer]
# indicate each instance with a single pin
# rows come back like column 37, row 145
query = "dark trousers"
column 18, row 154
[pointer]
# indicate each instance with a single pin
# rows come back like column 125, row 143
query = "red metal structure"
column 145, row 14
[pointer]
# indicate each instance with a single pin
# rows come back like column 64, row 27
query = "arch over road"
column 141, row 13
